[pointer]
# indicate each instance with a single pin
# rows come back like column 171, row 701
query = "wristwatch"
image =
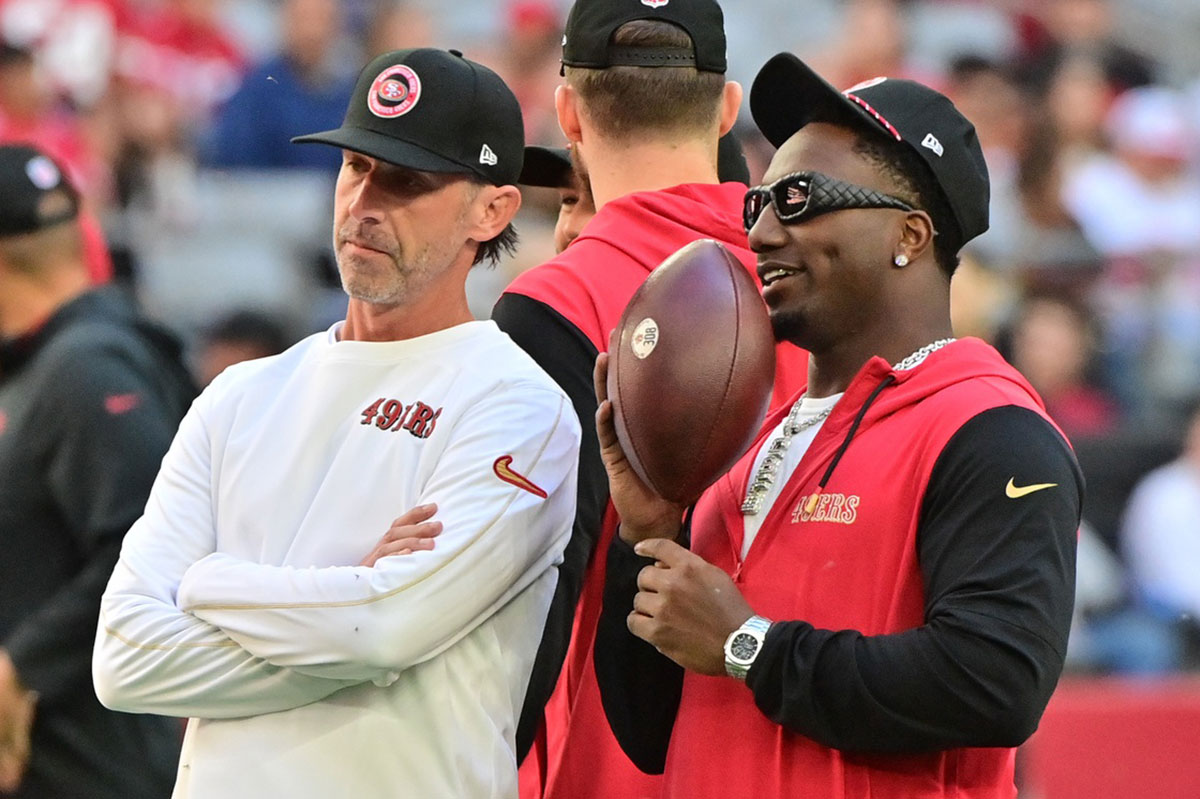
column 743, row 645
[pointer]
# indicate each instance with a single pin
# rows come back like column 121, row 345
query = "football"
column 691, row 366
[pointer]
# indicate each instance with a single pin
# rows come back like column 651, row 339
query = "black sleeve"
column 111, row 426
column 999, row 570
column 567, row 355
column 639, row 687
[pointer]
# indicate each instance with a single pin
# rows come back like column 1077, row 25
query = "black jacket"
column 89, row 403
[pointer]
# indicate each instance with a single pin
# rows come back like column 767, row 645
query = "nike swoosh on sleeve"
column 1013, row 491
column 505, row 473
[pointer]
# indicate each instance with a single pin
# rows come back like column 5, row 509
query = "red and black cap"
column 787, row 95
column 434, row 111
column 591, row 24
column 34, row 191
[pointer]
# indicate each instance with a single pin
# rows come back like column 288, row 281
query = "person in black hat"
column 551, row 168
column 90, row 395
column 644, row 103
column 875, row 600
column 344, row 567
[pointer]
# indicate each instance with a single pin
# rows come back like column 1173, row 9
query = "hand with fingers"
column 686, row 607
column 409, row 533
column 644, row 514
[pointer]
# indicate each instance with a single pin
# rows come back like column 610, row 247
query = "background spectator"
column 304, row 85
column 90, row 396
column 239, row 336
column 1053, row 345
column 1159, row 537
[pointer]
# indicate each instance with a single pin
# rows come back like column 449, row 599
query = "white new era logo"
column 655, row 3
column 486, row 156
column 932, row 143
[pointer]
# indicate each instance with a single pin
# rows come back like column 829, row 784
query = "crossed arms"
column 188, row 631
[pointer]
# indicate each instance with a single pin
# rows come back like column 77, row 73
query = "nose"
column 364, row 201
column 768, row 233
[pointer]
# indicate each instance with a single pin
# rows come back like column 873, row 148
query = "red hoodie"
column 589, row 285
column 590, row 282
column 850, row 563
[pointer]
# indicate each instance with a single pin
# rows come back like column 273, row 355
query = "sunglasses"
column 803, row 195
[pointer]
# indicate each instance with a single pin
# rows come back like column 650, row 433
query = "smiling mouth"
column 772, row 273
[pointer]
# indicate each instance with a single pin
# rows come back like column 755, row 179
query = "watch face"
column 743, row 646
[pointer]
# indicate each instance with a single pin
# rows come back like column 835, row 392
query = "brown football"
column 690, row 370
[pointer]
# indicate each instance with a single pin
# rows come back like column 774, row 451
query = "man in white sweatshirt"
column 346, row 561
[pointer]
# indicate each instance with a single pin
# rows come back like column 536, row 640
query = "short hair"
column 250, row 326
column 625, row 101
column 915, row 183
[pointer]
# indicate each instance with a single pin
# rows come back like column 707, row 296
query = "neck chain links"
column 768, row 470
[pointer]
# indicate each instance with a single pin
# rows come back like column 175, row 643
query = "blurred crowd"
column 173, row 116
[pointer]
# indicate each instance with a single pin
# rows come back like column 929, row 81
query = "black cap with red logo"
column 787, row 95
column 34, row 192
column 434, row 111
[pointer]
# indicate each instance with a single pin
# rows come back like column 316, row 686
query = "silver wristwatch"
column 743, row 645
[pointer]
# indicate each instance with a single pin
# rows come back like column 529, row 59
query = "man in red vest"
column 643, row 105
column 874, row 602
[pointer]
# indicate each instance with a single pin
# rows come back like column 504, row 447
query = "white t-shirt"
column 809, row 408
column 1159, row 536
column 1121, row 214
column 237, row 600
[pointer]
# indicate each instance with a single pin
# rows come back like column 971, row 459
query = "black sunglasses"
column 803, row 195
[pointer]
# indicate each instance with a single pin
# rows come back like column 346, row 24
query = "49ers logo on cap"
column 394, row 92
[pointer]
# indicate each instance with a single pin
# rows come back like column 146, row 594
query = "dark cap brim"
column 787, row 95
column 549, row 167
column 385, row 148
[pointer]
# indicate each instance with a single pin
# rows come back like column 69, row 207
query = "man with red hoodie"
column 874, row 602
column 643, row 105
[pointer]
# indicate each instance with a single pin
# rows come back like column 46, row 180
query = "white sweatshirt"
column 236, row 601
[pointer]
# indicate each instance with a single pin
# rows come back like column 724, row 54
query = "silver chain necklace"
column 768, row 470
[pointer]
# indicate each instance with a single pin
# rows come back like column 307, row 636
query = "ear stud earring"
column 900, row 260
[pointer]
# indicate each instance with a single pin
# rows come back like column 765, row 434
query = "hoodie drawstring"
column 812, row 501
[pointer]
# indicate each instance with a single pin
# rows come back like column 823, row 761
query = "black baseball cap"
column 34, row 191
column 731, row 160
column 435, row 111
column 548, row 167
column 787, row 94
column 591, row 24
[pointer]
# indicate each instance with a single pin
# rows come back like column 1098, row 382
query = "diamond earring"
column 900, row 260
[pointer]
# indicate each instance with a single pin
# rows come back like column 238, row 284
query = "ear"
column 495, row 208
column 916, row 237
column 731, row 103
column 566, row 105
